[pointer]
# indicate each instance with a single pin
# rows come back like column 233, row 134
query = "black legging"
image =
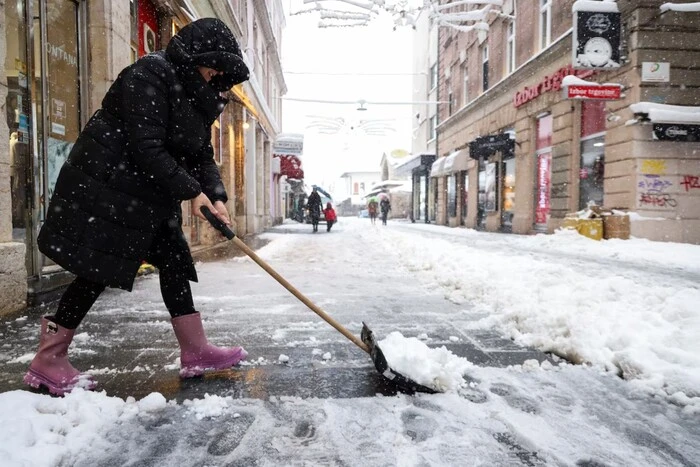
column 82, row 293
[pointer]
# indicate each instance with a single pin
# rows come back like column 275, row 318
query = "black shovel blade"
column 401, row 382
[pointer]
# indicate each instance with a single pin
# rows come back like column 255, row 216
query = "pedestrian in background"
column 372, row 208
column 314, row 205
column 118, row 195
column 385, row 207
column 331, row 217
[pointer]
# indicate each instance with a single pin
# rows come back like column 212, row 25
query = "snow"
column 685, row 7
column 595, row 5
column 438, row 368
column 626, row 307
column 571, row 80
column 664, row 113
column 613, row 319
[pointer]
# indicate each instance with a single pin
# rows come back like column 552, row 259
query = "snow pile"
column 39, row 430
column 210, row 406
column 542, row 292
column 438, row 369
column 684, row 7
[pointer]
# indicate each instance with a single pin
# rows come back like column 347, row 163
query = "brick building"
column 59, row 57
column 515, row 155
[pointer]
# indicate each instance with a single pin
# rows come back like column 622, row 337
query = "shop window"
column 481, row 195
column 545, row 23
column 17, row 112
column 216, row 140
column 464, row 186
column 508, row 194
column 592, row 168
column 544, row 170
column 452, row 195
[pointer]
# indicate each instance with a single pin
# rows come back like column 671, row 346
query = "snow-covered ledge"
column 684, row 7
column 595, row 5
column 664, row 113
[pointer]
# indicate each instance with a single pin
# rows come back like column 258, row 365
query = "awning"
column 437, row 170
column 416, row 164
column 484, row 146
column 456, row 162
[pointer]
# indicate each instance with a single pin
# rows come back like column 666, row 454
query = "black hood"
column 209, row 42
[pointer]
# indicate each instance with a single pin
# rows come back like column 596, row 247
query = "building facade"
column 58, row 60
column 521, row 155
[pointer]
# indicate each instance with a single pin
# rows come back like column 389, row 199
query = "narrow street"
column 308, row 396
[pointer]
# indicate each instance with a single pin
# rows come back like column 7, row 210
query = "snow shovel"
column 368, row 342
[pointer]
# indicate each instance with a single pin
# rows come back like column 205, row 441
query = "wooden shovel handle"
column 228, row 233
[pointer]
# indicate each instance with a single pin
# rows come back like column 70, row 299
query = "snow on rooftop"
column 665, row 113
column 595, row 5
column 684, row 7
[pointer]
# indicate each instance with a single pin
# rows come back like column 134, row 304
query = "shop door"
column 17, row 114
column 508, row 195
column 56, row 95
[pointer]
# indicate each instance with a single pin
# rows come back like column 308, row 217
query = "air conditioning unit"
column 149, row 39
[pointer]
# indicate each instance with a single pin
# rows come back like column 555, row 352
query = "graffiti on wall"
column 690, row 182
column 655, row 189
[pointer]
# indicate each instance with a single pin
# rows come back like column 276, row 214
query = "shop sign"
column 289, row 144
column 656, row 72
column 543, row 188
column 593, row 91
column 484, row 146
column 676, row 132
column 549, row 83
column 596, row 35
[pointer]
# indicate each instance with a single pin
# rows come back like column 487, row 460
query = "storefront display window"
column 464, row 184
column 591, row 171
column 452, row 195
column 508, row 210
column 481, row 199
column 17, row 113
column 544, row 171
column 491, row 187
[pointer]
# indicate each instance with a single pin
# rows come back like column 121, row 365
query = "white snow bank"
column 684, row 7
column 437, row 368
column 542, row 292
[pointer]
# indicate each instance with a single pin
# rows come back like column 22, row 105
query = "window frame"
column 510, row 47
column 485, row 67
column 545, row 23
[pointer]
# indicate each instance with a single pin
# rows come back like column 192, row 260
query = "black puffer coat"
column 146, row 150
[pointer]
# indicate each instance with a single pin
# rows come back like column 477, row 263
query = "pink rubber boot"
column 196, row 353
column 50, row 366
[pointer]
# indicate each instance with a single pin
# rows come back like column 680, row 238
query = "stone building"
column 58, row 59
column 521, row 155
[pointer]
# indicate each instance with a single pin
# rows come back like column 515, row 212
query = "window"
column 485, row 67
column 510, row 48
column 465, row 84
column 433, row 76
column 545, row 23
column 216, row 137
column 452, row 195
column 355, row 188
column 433, row 127
column 450, row 98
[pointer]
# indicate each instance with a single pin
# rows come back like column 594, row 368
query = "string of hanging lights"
column 404, row 12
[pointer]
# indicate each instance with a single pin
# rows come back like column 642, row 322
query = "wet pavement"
column 127, row 344
column 308, row 396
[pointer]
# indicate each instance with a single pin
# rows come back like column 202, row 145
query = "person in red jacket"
column 331, row 217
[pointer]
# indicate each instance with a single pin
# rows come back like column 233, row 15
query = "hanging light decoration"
column 404, row 13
